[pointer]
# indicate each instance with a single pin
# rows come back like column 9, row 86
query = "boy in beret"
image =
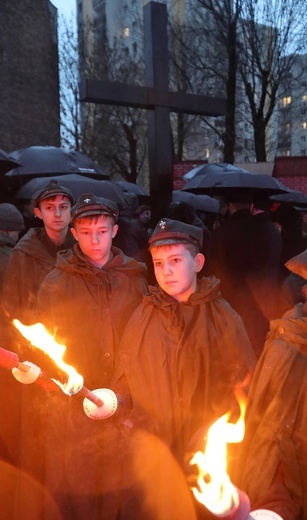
column 85, row 302
column 183, row 352
column 93, row 282
column 35, row 253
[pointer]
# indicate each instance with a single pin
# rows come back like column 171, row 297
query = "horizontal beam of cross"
column 95, row 91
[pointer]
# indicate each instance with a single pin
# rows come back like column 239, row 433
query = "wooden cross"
column 158, row 100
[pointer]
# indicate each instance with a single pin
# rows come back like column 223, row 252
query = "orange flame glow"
column 215, row 490
column 38, row 336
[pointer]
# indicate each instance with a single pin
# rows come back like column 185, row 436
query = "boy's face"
column 176, row 270
column 54, row 212
column 95, row 237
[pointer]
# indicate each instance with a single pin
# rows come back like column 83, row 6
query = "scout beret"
column 88, row 205
column 51, row 189
column 169, row 231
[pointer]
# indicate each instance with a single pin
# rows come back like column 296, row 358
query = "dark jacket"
column 180, row 362
column 273, row 467
column 33, row 257
column 241, row 258
column 75, row 458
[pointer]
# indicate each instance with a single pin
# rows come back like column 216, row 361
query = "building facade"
column 29, row 86
column 292, row 111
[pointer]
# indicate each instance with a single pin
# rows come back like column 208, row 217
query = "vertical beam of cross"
column 160, row 155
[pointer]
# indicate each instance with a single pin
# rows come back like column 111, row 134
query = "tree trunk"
column 259, row 139
column 230, row 133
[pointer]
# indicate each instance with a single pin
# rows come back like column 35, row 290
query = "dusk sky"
column 65, row 7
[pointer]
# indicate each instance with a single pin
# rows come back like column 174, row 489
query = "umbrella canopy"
column 7, row 162
column 131, row 187
column 78, row 185
column 51, row 160
column 293, row 197
column 198, row 202
column 212, row 168
column 236, row 180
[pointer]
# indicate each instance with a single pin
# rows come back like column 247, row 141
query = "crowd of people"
column 170, row 317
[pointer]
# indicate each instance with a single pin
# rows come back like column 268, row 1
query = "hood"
column 208, row 289
column 74, row 261
column 32, row 245
column 37, row 244
column 291, row 328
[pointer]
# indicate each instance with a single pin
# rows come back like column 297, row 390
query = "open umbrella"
column 47, row 161
column 78, row 185
column 7, row 162
column 293, row 197
column 212, row 168
column 235, row 180
column 131, row 187
column 198, row 202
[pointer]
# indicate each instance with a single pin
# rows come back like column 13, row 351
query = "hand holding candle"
column 99, row 404
column 214, row 489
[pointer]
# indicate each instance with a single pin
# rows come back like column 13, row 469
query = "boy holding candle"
column 85, row 301
column 183, row 351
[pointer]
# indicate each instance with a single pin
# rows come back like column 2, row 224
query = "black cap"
column 51, row 189
column 88, row 205
column 169, row 231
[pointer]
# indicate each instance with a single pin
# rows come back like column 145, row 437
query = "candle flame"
column 38, row 336
column 214, row 488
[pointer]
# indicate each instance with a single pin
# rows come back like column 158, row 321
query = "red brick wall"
column 292, row 172
column 295, row 182
column 179, row 169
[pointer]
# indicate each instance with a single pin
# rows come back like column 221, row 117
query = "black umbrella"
column 293, row 198
column 78, row 185
column 46, row 161
column 212, row 168
column 131, row 187
column 6, row 162
column 234, row 180
column 198, row 202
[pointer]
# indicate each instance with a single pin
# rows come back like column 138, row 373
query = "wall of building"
column 292, row 172
column 29, row 86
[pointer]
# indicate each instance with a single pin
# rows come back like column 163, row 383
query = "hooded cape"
column 273, row 467
column 181, row 361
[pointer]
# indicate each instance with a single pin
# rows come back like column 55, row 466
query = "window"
column 304, row 98
column 303, row 152
column 126, row 32
column 286, row 101
column 304, row 125
column 303, row 138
